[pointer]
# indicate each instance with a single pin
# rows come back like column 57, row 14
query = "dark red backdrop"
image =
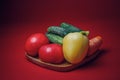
column 20, row 18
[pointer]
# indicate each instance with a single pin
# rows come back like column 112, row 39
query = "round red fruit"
column 51, row 53
column 34, row 42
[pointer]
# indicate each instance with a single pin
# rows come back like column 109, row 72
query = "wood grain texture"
column 65, row 66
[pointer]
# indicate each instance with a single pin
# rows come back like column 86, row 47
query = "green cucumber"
column 54, row 38
column 57, row 30
column 69, row 28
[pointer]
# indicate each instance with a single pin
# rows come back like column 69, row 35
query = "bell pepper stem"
column 86, row 33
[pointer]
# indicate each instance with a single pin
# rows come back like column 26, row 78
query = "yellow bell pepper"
column 75, row 47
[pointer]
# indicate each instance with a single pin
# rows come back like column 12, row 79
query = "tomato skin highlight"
column 51, row 53
column 34, row 42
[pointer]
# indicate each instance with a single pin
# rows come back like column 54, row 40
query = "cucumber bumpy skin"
column 54, row 38
column 69, row 28
column 57, row 30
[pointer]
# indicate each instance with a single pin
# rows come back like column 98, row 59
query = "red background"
column 21, row 18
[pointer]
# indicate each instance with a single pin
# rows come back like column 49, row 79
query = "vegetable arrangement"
column 62, row 43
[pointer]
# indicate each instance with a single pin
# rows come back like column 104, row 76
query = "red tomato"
column 51, row 53
column 34, row 42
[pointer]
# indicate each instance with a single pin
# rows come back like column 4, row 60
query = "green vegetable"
column 69, row 28
column 57, row 30
column 54, row 38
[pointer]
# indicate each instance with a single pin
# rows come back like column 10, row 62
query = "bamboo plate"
column 65, row 66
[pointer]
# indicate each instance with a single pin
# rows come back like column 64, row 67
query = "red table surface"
column 14, row 66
